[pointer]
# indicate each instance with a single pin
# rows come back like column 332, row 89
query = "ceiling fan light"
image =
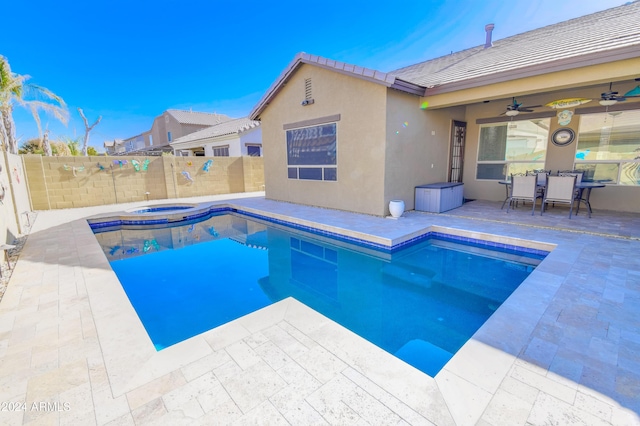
column 512, row 112
column 608, row 102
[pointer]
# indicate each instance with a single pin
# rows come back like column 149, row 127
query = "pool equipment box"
column 439, row 197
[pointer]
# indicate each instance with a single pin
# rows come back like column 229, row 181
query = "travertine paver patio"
column 563, row 349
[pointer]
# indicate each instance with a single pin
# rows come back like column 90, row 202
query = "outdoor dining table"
column 584, row 192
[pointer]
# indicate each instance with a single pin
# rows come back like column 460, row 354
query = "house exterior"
column 137, row 143
column 170, row 125
column 233, row 138
column 342, row 136
column 114, row 147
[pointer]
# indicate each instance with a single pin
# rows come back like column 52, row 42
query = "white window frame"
column 540, row 164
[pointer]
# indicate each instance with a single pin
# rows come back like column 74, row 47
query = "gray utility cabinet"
column 439, row 197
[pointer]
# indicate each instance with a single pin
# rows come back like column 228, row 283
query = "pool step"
column 416, row 276
column 424, row 356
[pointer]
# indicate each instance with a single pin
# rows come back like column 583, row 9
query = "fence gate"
column 456, row 160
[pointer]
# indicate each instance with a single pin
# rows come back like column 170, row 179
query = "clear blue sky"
column 129, row 61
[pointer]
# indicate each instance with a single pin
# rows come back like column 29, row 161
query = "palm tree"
column 13, row 88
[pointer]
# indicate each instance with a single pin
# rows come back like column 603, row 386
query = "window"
column 221, row 151
column 150, row 140
column 609, row 147
column 253, row 150
column 169, row 136
column 513, row 147
column 311, row 153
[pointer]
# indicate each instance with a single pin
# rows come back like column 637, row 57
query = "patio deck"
column 563, row 349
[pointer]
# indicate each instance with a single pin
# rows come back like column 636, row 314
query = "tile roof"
column 201, row 118
column 611, row 30
column 602, row 37
column 234, row 126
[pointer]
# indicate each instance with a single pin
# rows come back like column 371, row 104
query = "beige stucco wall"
column 618, row 198
column 417, row 149
column 387, row 144
column 360, row 141
column 54, row 186
column 14, row 198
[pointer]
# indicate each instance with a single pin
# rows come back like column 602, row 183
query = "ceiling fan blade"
column 530, row 106
column 525, row 110
column 633, row 93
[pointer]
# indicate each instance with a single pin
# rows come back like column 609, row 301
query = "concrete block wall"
column 225, row 176
column 37, row 183
column 253, row 168
column 66, row 182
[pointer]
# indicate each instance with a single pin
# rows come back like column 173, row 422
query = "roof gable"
column 368, row 74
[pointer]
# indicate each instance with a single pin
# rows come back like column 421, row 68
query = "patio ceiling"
column 530, row 81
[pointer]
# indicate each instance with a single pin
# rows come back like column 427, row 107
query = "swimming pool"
column 420, row 303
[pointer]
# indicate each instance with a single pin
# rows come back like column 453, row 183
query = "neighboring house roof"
column 610, row 35
column 115, row 142
column 230, row 127
column 613, row 34
column 198, row 118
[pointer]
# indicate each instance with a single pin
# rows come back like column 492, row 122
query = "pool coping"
column 490, row 359
column 359, row 238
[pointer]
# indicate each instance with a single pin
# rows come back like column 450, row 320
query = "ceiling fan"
column 610, row 97
column 515, row 108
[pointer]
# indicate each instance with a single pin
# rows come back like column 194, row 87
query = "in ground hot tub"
column 160, row 214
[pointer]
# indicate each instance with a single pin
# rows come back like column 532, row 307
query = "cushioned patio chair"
column 559, row 189
column 541, row 179
column 577, row 194
column 523, row 188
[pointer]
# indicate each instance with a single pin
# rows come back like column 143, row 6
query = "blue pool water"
column 421, row 303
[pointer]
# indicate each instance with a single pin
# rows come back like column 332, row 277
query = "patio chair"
column 577, row 193
column 541, row 176
column 523, row 188
column 560, row 189
column 577, row 173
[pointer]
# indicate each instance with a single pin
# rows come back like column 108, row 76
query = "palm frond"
column 43, row 91
column 62, row 114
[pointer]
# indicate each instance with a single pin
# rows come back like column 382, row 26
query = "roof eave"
column 178, row 144
column 565, row 64
column 408, row 87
